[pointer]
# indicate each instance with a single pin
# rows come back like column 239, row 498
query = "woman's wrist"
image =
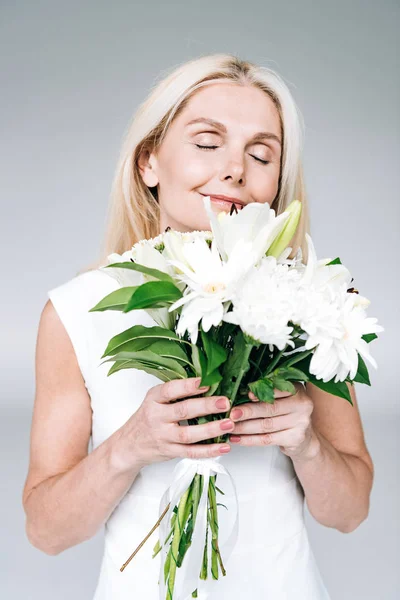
column 123, row 459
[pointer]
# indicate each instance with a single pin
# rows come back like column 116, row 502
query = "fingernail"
column 234, row 438
column 236, row 414
column 226, row 424
column 221, row 403
column 225, row 449
column 204, row 387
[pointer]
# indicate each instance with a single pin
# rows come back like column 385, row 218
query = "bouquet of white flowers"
column 231, row 307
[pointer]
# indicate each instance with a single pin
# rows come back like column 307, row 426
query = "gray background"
column 72, row 74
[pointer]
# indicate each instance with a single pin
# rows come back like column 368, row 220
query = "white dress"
column 272, row 559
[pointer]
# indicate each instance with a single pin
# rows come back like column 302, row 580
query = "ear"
column 147, row 164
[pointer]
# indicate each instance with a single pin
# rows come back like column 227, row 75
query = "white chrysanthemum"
column 151, row 242
column 210, row 283
column 335, row 329
column 265, row 303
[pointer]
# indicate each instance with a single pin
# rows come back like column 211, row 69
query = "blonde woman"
column 227, row 128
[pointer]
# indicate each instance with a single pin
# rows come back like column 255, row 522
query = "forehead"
column 236, row 106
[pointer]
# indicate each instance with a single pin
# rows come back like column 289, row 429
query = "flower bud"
column 283, row 238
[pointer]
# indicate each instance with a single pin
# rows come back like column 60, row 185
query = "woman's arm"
column 68, row 493
column 337, row 472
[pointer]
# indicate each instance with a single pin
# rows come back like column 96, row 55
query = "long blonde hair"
column 133, row 212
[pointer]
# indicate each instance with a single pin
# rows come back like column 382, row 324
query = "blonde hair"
column 133, row 212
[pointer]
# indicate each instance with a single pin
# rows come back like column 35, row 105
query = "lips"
column 225, row 201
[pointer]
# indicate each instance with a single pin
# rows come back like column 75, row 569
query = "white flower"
column 210, row 283
column 333, row 319
column 337, row 355
column 174, row 242
column 256, row 223
column 124, row 277
column 265, row 303
column 144, row 253
column 319, row 274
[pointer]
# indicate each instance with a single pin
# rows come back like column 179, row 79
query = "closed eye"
column 264, row 162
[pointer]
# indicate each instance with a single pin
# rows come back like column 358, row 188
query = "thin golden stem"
column 146, row 538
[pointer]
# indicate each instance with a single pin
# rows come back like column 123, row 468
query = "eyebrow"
column 261, row 135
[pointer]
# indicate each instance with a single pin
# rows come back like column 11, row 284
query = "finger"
column 189, row 434
column 265, row 424
column 276, row 438
column 195, row 407
column 177, row 388
column 200, row 450
column 256, row 410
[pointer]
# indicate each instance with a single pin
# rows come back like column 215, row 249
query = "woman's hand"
column 286, row 422
column 153, row 433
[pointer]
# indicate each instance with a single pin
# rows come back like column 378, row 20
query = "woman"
column 215, row 126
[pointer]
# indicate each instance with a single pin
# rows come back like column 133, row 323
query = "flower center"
column 214, row 287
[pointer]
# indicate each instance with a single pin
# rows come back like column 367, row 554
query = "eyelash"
column 264, row 162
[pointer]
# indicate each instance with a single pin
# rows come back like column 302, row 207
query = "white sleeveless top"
column 272, row 559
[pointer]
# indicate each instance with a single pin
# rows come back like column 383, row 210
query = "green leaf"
column 196, row 359
column 170, row 349
column 143, row 269
column 160, row 372
column 283, row 385
column 233, row 364
column 335, row 261
column 362, row 375
column 291, row 373
column 295, row 358
column 368, row 337
column 200, row 365
column 141, row 333
column 263, row 389
column 216, row 354
column 207, row 378
column 153, row 294
column 116, row 300
column 336, row 389
column 147, row 357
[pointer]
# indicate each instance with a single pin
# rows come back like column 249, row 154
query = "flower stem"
column 244, row 365
column 242, row 370
column 146, row 538
column 216, row 555
column 272, row 364
column 178, row 530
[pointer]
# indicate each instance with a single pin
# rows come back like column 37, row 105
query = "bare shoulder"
column 62, row 416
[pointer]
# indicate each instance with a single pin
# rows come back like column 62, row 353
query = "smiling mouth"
column 229, row 205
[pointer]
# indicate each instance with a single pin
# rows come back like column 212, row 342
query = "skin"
column 322, row 435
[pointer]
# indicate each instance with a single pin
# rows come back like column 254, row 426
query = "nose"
column 233, row 169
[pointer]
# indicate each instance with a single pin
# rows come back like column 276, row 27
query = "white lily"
column 174, row 242
column 210, row 281
column 319, row 274
column 256, row 223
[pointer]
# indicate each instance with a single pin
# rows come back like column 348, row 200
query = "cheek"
column 195, row 170
column 265, row 185
column 185, row 169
